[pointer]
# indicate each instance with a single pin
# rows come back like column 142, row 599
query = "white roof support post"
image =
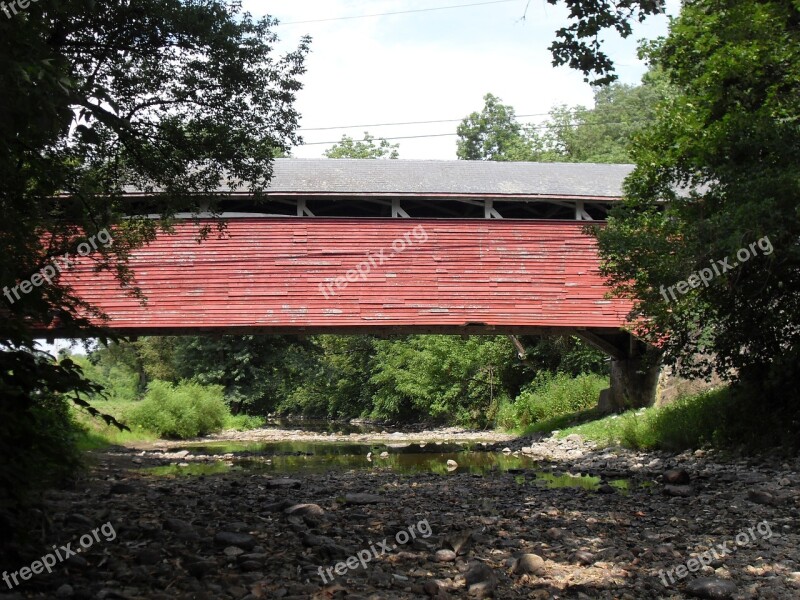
column 397, row 211
column 489, row 211
column 302, row 209
column 580, row 212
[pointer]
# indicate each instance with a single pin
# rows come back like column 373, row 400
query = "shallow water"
column 323, row 426
column 294, row 458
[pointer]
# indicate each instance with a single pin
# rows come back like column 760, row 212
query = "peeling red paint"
column 267, row 273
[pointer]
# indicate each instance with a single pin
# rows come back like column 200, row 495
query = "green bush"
column 38, row 442
column 549, row 396
column 506, row 416
column 185, row 410
column 244, row 422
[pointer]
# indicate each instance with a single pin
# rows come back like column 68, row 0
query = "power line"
column 399, row 12
column 434, row 135
column 407, row 123
column 399, row 137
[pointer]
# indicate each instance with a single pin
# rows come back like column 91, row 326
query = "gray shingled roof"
column 363, row 176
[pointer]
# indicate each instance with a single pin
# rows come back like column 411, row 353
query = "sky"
column 431, row 65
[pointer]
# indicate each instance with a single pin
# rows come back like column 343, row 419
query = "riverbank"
column 250, row 535
column 447, row 435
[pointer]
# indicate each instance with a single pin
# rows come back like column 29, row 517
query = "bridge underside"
column 612, row 339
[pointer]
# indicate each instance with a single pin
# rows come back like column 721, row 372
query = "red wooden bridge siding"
column 267, row 272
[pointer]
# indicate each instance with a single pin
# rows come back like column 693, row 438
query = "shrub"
column 185, row 410
column 244, row 422
column 637, row 431
column 549, row 396
column 38, row 442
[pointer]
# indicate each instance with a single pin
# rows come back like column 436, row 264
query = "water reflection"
column 323, row 426
column 287, row 458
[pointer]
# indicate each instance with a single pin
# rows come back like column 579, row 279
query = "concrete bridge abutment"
column 635, row 371
column 634, row 382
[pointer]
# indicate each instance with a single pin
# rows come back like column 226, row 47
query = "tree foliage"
column 580, row 46
column 602, row 134
column 410, row 378
column 333, row 381
column 605, row 132
column 562, row 354
column 254, row 372
column 444, row 377
column 716, row 174
column 169, row 95
column 175, row 96
column 366, row 148
column 494, row 134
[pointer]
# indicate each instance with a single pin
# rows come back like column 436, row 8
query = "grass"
column 560, row 422
column 550, row 402
column 97, row 435
column 97, row 439
column 724, row 418
column 688, row 422
column 243, row 422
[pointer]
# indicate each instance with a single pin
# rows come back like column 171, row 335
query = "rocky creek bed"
column 243, row 534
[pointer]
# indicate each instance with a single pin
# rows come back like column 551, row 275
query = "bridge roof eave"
column 439, row 196
column 385, row 195
column 367, row 329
